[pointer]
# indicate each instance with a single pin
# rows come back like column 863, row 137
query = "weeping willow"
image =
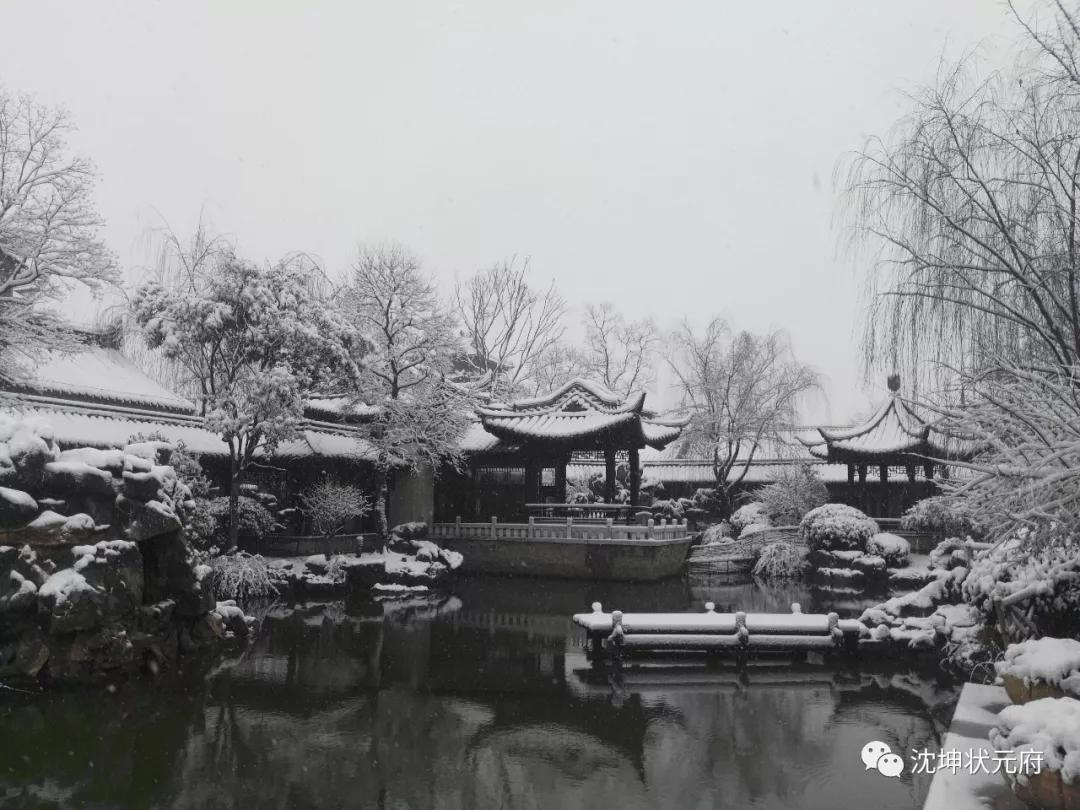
column 966, row 214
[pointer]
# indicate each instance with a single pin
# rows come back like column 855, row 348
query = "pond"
column 479, row 699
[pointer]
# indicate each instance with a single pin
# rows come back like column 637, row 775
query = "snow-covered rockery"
column 96, row 577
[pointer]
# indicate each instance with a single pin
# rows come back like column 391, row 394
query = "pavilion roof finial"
column 894, row 382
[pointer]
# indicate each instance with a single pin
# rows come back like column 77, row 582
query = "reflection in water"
column 482, row 699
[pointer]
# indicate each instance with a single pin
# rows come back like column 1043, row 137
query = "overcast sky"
column 674, row 159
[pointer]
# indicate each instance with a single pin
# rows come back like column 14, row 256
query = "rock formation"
column 96, row 577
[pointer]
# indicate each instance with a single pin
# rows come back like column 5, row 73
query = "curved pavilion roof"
column 580, row 415
column 894, row 434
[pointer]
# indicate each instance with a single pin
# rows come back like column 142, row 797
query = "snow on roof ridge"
column 601, row 392
column 75, row 373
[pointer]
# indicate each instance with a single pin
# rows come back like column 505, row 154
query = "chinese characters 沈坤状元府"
column 977, row 761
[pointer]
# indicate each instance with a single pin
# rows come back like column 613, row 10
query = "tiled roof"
column 101, row 375
column 894, row 429
column 336, row 408
column 578, row 413
column 80, row 424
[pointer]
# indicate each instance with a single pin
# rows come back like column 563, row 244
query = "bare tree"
column 741, row 390
column 619, row 353
column 413, row 341
column 508, row 325
column 49, row 228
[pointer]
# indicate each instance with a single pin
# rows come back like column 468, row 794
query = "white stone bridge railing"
column 568, row 530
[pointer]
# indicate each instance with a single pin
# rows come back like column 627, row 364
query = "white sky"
column 675, row 159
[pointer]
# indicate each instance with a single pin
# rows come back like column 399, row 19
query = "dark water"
column 479, row 700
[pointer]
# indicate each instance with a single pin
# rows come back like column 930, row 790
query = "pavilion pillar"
column 851, row 473
column 864, row 496
column 635, row 477
column 929, row 470
column 560, row 478
column 532, row 482
column 609, row 474
column 883, row 473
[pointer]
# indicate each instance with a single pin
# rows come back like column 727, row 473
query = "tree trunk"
column 234, row 502
column 382, row 489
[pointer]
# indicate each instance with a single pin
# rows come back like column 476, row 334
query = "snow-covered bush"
column 241, row 576
column 893, row 548
column 1053, row 661
column 209, row 525
column 747, row 514
column 717, row 533
column 1041, row 576
column 1049, row 727
column 941, row 514
column 331, row 505
column 837, row 527
column 796, row 491
column 706, row 500
column 780, row 560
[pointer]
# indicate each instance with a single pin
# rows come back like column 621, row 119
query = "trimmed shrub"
column 837, row 527
column 748, row 514
column 780, row 560
column 796, row 491
column 942, row 515
column 893, row 548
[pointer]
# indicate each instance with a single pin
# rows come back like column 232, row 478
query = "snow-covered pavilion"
column 530, row 442
column 898, row 443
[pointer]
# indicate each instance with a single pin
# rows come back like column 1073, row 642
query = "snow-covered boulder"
column 17, row 508
column 76, row 478
column 111, row 460
column 870, row 564
column 1049, row 730
column 894, row 549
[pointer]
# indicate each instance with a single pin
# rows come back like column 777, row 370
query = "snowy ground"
column 976, row 715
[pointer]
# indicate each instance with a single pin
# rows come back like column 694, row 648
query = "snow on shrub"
column 780, row 560
column 1041, row 575
column 837, row 527
column 749, row 514
column 331, row 505
column 754, row 528
column 1054, row 661
column 1050, row 726
column 241, row 577
column 893, row 548
column 941, row 514
column 796, row 490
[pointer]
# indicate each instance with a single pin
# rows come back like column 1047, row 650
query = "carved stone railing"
column 567, row 530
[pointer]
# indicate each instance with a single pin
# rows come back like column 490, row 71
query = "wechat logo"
column 878, row 756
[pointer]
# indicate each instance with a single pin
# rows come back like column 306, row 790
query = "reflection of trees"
column 336, row 708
